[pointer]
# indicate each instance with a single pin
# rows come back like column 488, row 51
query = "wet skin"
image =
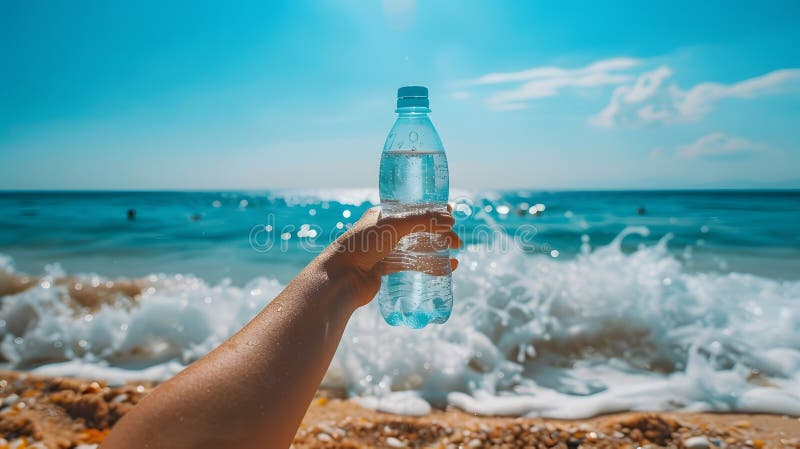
column 253, row 390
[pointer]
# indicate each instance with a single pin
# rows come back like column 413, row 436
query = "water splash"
column 604, row 331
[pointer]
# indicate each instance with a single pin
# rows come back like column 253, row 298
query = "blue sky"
column 540, row 95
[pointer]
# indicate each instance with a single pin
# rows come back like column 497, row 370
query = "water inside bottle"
column 411, row 180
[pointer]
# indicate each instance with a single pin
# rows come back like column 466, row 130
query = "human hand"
column 364, row 253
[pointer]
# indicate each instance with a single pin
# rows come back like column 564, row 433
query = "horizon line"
column 504, row 189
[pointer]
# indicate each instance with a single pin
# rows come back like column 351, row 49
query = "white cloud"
column 540, row 82
column 656, row 152
column 646, row 86
column 549, row 87
column 650, row 99
column 605, row 65
column 699, row 100
column 719, row 144
column 460, row 95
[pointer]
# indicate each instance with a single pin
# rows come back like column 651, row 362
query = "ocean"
column 566, row 304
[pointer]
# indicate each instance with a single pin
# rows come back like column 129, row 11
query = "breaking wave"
column 608, row 330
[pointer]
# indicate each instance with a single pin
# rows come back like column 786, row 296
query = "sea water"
column 692, row 303
column 416, row 181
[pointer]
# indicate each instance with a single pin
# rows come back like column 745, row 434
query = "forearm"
column 254, row 389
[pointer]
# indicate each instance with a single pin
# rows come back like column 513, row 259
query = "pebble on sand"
column 699, row 442
column 394, row 442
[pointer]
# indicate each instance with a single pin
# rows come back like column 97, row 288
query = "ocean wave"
column 605, row 331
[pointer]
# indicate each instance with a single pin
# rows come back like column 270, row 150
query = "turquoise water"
column 567, row 304
column 208, row 233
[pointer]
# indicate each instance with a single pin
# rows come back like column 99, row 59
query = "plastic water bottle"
column 414, row 176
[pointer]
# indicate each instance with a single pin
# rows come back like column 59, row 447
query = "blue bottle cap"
column 412, row 96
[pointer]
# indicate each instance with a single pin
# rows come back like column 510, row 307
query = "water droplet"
column 413, row 136
column 554, row 253
column 346, row 213
column 312, row 212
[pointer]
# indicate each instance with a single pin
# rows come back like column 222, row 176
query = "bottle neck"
column 412, row 111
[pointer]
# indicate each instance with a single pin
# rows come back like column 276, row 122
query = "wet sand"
column 38, row 412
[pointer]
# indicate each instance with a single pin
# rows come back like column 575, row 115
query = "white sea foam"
column 604, row 332
column 529, row 335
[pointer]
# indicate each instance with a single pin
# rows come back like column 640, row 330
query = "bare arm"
column 254, row 389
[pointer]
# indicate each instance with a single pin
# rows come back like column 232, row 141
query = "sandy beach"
column 400, row 224
column 39, row 412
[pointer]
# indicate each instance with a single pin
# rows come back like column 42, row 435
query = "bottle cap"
column 412, row 96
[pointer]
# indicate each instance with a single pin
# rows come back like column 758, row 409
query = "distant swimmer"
column 641, row 211
column 131, row 214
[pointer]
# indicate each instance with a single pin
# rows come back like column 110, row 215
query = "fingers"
column 369, row 218
column 436, row 222
column 453, row 240
column 375, row 237
column 432, row 265
column 379, row 240
column 429, row 243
